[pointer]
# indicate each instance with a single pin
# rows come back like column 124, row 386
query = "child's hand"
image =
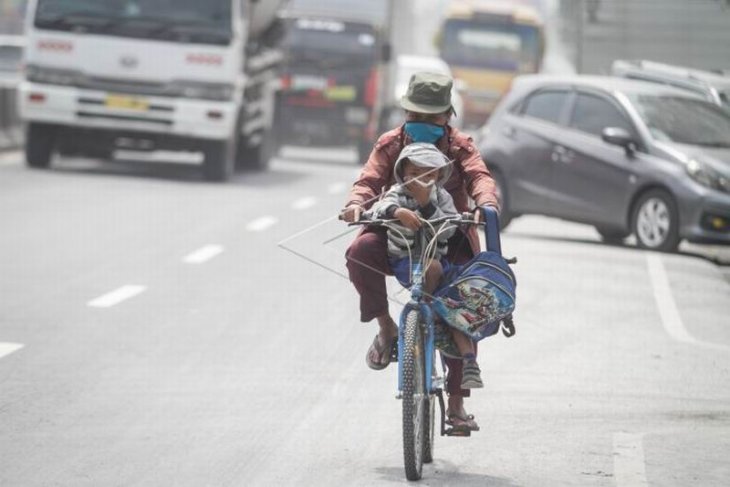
column 408, row 218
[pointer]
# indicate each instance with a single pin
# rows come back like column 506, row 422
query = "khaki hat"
column 428, row 93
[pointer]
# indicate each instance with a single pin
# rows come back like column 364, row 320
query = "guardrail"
column 11, row 133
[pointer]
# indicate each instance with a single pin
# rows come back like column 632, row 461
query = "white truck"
column 185, row 75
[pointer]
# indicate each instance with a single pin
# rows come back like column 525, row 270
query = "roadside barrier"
column 11, row 133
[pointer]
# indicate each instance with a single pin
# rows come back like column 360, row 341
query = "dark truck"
column 330, row 91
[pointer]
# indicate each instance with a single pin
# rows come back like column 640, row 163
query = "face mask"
column 424, row 131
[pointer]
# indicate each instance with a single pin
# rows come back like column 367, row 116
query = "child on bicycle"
column 420, row 171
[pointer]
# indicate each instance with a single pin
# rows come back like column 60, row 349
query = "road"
column 153, row 332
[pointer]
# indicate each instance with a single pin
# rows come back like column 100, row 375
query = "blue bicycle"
column 420, row 381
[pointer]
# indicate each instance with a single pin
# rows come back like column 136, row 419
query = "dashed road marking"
column 117, row 296
column 261, row 224
column 668, row 311
column 8, row 348
column 304, row 203
column 203, row 254
column 628, row 460
column 337, row 188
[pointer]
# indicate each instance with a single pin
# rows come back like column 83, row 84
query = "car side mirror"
column 386, row 52
column 620, row 137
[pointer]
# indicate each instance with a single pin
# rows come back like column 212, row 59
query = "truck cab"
column 172, row 75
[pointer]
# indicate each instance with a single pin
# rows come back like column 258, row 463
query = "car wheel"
column 505, row 215
column 614, row 236
column 655, row 221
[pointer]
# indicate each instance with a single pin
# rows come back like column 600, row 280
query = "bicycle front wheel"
column 415, row 397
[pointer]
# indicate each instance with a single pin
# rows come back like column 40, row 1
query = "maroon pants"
column 367, row 264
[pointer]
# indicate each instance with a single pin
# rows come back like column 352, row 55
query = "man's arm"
column 375, row 175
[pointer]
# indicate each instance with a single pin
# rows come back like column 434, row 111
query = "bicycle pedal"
column 457, row 432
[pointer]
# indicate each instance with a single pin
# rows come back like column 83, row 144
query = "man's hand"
column 408, row 218
column 351, row 213
column 478, row 215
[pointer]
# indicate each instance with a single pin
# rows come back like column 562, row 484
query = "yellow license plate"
column 127, row 103
column 341, row 93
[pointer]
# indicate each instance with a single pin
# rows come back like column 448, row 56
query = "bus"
column 486, row 44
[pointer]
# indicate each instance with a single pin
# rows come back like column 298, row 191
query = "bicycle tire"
column 414, row 397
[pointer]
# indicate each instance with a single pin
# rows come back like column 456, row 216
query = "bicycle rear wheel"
column 415, row 397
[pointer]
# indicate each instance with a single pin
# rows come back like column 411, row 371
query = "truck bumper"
column 87, row 109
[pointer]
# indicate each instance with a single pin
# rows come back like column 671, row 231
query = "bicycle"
column 416, row 352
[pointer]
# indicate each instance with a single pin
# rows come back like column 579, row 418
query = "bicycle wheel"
column 415, row 399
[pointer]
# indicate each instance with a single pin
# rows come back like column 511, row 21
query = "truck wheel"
column 256, row 158
column 218, row 160
column 40, row 141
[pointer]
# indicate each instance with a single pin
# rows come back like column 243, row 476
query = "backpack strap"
column 491, row 229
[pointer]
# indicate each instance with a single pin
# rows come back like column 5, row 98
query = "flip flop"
column 384, row 353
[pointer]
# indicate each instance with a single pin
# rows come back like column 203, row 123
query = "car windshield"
column 502, row 47
column 206, row 21
column 684, row 120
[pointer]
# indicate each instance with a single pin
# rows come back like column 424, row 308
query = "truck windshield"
column 330, row 42
column 684, row 120
column 207, row 22
column 498, row 46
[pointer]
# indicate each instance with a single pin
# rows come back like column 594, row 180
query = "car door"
column 530, row 131
column 593, row 178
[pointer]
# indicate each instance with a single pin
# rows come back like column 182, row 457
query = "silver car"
column 624, row 156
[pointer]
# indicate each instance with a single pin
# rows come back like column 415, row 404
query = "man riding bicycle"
column 428, row 110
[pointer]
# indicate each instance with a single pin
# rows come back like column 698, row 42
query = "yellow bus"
column 487, row 43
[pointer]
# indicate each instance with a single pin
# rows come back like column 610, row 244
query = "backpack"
column 479, row 296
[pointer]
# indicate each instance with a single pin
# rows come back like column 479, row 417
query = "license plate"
column 341, row 93
column 127, row 103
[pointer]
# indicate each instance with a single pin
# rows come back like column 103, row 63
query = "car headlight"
column 707, row 176
column 51, row 76
column 203, row 91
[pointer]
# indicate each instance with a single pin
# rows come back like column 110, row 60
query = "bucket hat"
column 428, row 93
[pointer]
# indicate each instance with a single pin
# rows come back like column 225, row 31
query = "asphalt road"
column 155, row 330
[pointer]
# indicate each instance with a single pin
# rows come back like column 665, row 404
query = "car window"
column 592, row 114
column 546, row 105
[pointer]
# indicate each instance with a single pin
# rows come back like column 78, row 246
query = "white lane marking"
column 337, row 188
column 628, row 460
column 304, row 203
column 668, row 311
column 203, row 254
column 117, row 296
column 8, row 348
column 261, row 224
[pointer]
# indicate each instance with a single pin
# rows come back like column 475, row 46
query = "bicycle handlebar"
column 461, row 219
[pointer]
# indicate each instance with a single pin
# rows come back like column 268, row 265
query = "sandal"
column 385, row 353
column 465, row 423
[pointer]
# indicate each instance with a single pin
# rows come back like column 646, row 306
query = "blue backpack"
column 479, row 296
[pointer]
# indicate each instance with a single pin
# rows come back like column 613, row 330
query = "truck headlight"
column 51, row 76
column 203, row 91
column 707, row 176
